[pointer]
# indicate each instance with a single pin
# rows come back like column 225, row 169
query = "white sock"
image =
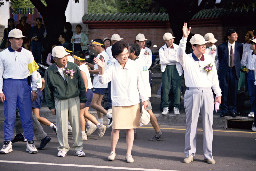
column 100, row 120
column 51, row 125
column 83, row 132
column 109, row 115
column 98, row 125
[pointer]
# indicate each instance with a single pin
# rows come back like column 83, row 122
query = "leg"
column 176, row 87
column 90, row 116
column 96, row 103
column 192, row 109
column 74, row 110
column 153, row 121
column 38, row 129
column 251, row 89
column 233, row 91
column 129, row 141
column 166, row 85
column 82, row 119
column 114, row 139
column 207, row 117
column 224, row 91
column 41, row 119
column 62, row 123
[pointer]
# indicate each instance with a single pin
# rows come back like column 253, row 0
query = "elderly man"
column 171, row 74
column 65, row 94
column 200, row 78
column 16, row 65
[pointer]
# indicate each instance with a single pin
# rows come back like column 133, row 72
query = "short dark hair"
column 230, row 31
column 108, row 40
column 80, row 54
column 135, row 48
column 118, row 48
column 78, row 25
column 99, row 41
column 63, row 35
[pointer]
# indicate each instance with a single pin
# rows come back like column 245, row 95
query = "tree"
column 102, row 6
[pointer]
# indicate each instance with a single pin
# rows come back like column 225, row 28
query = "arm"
column 244, row 60
column 215, row 81
column 48, row 60
column 49, row 97
column 84, row 39
column 105, row 76
column 182, row 46
column 141, row 87
column 2, row 96
column 149, row 58
column 81, row 87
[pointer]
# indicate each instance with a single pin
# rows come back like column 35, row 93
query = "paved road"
column 233, row 150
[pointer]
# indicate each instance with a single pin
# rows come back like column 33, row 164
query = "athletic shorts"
column 89, row 95
column 38, row 102
column 101, row 91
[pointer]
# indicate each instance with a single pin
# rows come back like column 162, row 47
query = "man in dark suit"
column 229, row 54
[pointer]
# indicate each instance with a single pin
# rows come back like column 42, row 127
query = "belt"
column 198, row 88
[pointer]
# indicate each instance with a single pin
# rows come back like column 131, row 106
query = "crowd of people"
column 211, row 73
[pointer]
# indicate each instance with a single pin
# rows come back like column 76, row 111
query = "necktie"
column 232, row 57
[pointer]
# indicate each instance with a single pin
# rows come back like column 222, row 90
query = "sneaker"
column 210, row 161
column 44, row 141
column 62, row 153
column 110, row 121
column 189, row 159
column 80, row 153
column 91, row 129
column 112, row 156
column 176, row 111
column 165, row 111
column 84, row 137
column 18, row 137
column 156, row 138
column 7, row 147
column 251, row 115
column 253, row 128
column 54, row 128
column 31, row 148
column 129, row 159
column 101, row 130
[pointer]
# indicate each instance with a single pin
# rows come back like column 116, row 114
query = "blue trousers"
column 17, row 93
column 251, row 88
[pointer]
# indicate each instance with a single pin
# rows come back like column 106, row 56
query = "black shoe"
column 18, row 137
column 44, row 142
column 233, row 114
column 156, row 138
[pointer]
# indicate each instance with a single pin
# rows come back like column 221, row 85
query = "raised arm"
column 183, row 41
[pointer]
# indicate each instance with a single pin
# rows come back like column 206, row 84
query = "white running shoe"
column 69, row 127
column 165, row 111
column 91, row 129
column 176, row 111
column 112, row 156
column 84, row 137
column 101, row 130
column 80, row 153
column 253, row 127
column 7, row 147
column 251, row 115
column 31, row 148
column 62, row 153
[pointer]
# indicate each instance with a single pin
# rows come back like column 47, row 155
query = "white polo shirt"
column 14, row 65
column 194, row 73
column 96, row 81
column 85, row 69
column 146, row 55
column 127, row 88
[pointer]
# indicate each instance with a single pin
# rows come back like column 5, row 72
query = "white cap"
column 140, row 37
column 59, row 52
column 253, row 40
column 15, row 33
column 168, row 36
column 197, row 39
column 210, row 38
column 116, row 37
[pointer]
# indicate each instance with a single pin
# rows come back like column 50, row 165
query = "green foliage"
column 102, row 6
column 23, row 4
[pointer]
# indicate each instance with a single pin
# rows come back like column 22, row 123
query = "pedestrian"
column 134, row 52
column 200, row 79
column 100, row 89
column 63, row 42
column 36, row 105
column 65, row 95
column 107, row 42
column 211, row 48
column 5, row 43
column 79, row 40
column 84, row 113
column 16, row 65
column 37, row 36
column 126, row 91
column 171, row 74
column 25, row 28
column 229, row 54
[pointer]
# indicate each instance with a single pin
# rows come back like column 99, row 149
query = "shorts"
column 89, row 95
column 101, row 91
column 38, row 102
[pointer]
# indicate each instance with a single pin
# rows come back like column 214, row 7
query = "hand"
column 145, row 104
column 2, row 97
column 53, row 111
column 82, row 105
column 100, row 62
column 33, row 95
column 218, row 99
column 186, row 30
